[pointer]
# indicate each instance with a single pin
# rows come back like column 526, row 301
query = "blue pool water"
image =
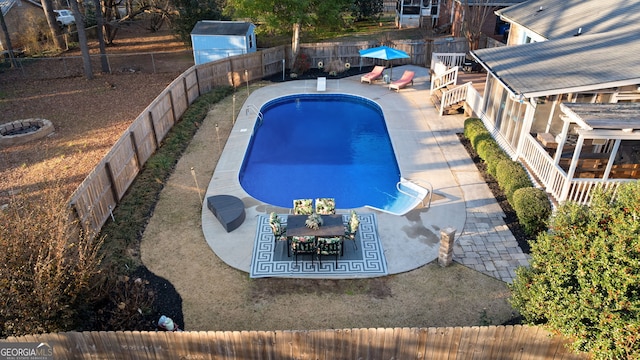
column 322, row 145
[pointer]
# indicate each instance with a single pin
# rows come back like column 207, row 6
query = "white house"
column 562, row 53
column 213, row 40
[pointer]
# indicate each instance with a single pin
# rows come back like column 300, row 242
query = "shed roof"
column 211, row 27
column 577, row 63
column 604, row 116
column 553, row 19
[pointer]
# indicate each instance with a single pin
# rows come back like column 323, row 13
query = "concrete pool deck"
column 428, row 152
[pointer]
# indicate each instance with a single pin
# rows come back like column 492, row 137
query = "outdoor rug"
column 269, row 259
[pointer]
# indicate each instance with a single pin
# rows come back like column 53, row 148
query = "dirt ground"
column 90, row 115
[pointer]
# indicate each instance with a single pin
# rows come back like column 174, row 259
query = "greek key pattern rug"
column 269, row 259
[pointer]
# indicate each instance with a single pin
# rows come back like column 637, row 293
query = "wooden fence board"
column 191, row 83
column 498, row 335
column 123, row 165
column 468, row 339
column 61, row 348
column 162, row 115
column 453, row 342
column 421, row 340
column 179, row 100
column 93, row 198
column 144, row 137
column 373, row 347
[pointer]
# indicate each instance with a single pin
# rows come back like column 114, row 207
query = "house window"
column 250, row 41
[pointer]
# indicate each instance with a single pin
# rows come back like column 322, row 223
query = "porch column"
column 563, row 140
column 553, row 110
column 612, row 157
column 572, row 169
column 527, row 122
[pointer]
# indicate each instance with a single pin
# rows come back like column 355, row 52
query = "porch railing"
column 449, row 59
column 541, row 164
column 453, row 96
column 554, row 178
column 449, row 77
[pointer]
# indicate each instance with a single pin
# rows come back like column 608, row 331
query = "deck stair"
column 447, row 96
column 447, row 100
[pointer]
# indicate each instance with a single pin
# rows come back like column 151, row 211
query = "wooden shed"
column 213, row 40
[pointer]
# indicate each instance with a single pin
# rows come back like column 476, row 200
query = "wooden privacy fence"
column 348, row 52
column 489, row 342
column 103, row 188
column 99, row 193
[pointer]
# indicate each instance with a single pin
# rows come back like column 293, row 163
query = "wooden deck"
column 478, row 80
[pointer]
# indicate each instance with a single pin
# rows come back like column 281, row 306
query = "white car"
column 64, row 17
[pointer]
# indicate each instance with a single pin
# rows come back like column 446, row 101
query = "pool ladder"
column 255, row 109
column 429, row 190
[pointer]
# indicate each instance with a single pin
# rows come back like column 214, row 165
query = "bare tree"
column 56, row 31
column 99, row 24
column 7, row 41
column 474, row 15
column 82, row 39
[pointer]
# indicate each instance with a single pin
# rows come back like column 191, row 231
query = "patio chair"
column 407, row 78
column 375, row 74
column 303, row 206
column 329, row 246
column 279, row 230
column 325, row 206
column 351, row 228
column 303, row 245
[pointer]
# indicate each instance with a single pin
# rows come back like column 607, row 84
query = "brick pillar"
column 445, row 255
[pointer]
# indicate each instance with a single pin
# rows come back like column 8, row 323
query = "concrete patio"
column 427, row 150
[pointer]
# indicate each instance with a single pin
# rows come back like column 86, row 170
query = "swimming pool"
column 324, row 145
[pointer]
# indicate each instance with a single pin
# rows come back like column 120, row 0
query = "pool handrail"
column 255, row 109
column 415, row 182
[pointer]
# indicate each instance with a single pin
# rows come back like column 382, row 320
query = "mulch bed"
column 314, row 73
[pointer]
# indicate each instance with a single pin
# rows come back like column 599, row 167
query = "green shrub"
column 511, row 176
column 473, row 127
column 533, row 209
column 583, row 278
column 492, row 154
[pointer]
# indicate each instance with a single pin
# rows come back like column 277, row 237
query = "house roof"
column 572, row 64
column 604, row 116
column 211, row 27
column 560, row 19
column 5, row 5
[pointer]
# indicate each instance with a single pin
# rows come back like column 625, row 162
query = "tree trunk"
column 99, row 23
column 82, row 38
column 7, row 41
column 56, row 32
column 295, row 41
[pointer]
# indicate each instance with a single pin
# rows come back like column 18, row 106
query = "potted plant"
column 314, row 221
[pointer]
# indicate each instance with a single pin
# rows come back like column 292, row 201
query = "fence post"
column 445, row 255
column 114, row 191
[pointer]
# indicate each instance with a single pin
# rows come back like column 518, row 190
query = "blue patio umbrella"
column 384, row 53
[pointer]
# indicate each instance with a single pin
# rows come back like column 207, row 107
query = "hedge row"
column 532, row 205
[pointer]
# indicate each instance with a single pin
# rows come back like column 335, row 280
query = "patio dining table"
column 332, row 226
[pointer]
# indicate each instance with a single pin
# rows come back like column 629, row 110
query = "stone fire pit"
column 22, row 131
